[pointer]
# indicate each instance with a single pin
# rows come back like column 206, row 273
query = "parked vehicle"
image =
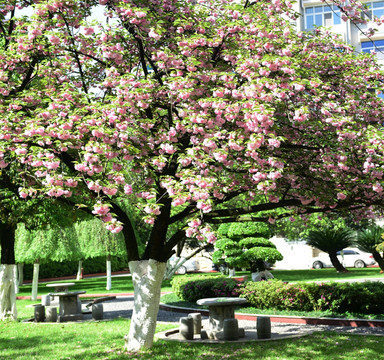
column 189, row 266
column 349, row 257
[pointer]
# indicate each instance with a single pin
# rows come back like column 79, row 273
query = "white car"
column 189, row 266
column 349, row 257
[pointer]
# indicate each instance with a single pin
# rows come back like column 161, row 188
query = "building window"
column 377, row 46
column 375, row 9
column 322, row 16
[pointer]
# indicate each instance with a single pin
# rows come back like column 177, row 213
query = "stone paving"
column 122, row 307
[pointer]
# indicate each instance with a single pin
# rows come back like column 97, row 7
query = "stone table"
column 220, row 309
column 60, row 287
column 69, row 305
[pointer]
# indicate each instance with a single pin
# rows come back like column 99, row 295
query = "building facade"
column 319, row 13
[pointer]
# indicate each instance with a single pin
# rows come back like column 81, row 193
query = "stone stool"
column 263, row 326
column 186, row 328
column 39, row 313
column 231, row 329
column 45, row 300
column 97, row 312
column 196, row 317
column 51, row 314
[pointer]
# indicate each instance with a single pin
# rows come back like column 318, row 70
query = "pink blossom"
column 168, row 148
column 21, row 151
column 109, row 191
column 100, row 209
column 128, row 189
column 378, row 188
column 194, row 223
column 89, row 31
column 107, row 218
column 341, row 196
column 140, row 14
column 154, row 35
column 179, row 201
column 51, row 165
column 54, row 39
column 94, row 186
column 23, row 194
column 274, row 143
column 71, row 183
column 149, row 220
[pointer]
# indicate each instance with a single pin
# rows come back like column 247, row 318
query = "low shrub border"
column 358, row 297
column 170, row 303
column 331, row 297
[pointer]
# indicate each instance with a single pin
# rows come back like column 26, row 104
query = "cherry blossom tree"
column 180, row 107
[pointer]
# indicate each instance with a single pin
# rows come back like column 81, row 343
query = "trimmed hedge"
column 198, row 287
column 52, row 269
column 357, row 297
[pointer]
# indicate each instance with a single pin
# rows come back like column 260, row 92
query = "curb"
column 287, row 319
column 82, row 295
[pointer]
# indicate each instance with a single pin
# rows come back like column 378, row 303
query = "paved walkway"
column 122, row 307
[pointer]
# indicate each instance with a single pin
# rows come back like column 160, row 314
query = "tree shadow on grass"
column 319, row 346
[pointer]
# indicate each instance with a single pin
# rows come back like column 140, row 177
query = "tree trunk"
column 378, row 259
column 7, row 273
column 172, row 269
column 35, row 280
column 20, row 271
column 147, row 276
column 80, row 265
column 336, row 263
column 109, row 273
column 15, row 276
column 262, row 275
column 7, row 292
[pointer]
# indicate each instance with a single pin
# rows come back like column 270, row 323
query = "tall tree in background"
column 14, row 211
column 52, row 242
column 95, row 240
column 332, row 240
column 179, row 108
column 368, row 240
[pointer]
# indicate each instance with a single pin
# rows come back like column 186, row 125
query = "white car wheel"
column 181, row 270
column 317, row 265
column 359, row 264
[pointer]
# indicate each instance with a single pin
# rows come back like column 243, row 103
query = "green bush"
column 198, row 287
column 52, row 269
column 364, row 298
column 361, row 297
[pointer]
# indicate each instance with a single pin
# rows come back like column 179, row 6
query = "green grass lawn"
column 123, row 284
column 327, row 274
column 104, row 340
column 120, row 284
